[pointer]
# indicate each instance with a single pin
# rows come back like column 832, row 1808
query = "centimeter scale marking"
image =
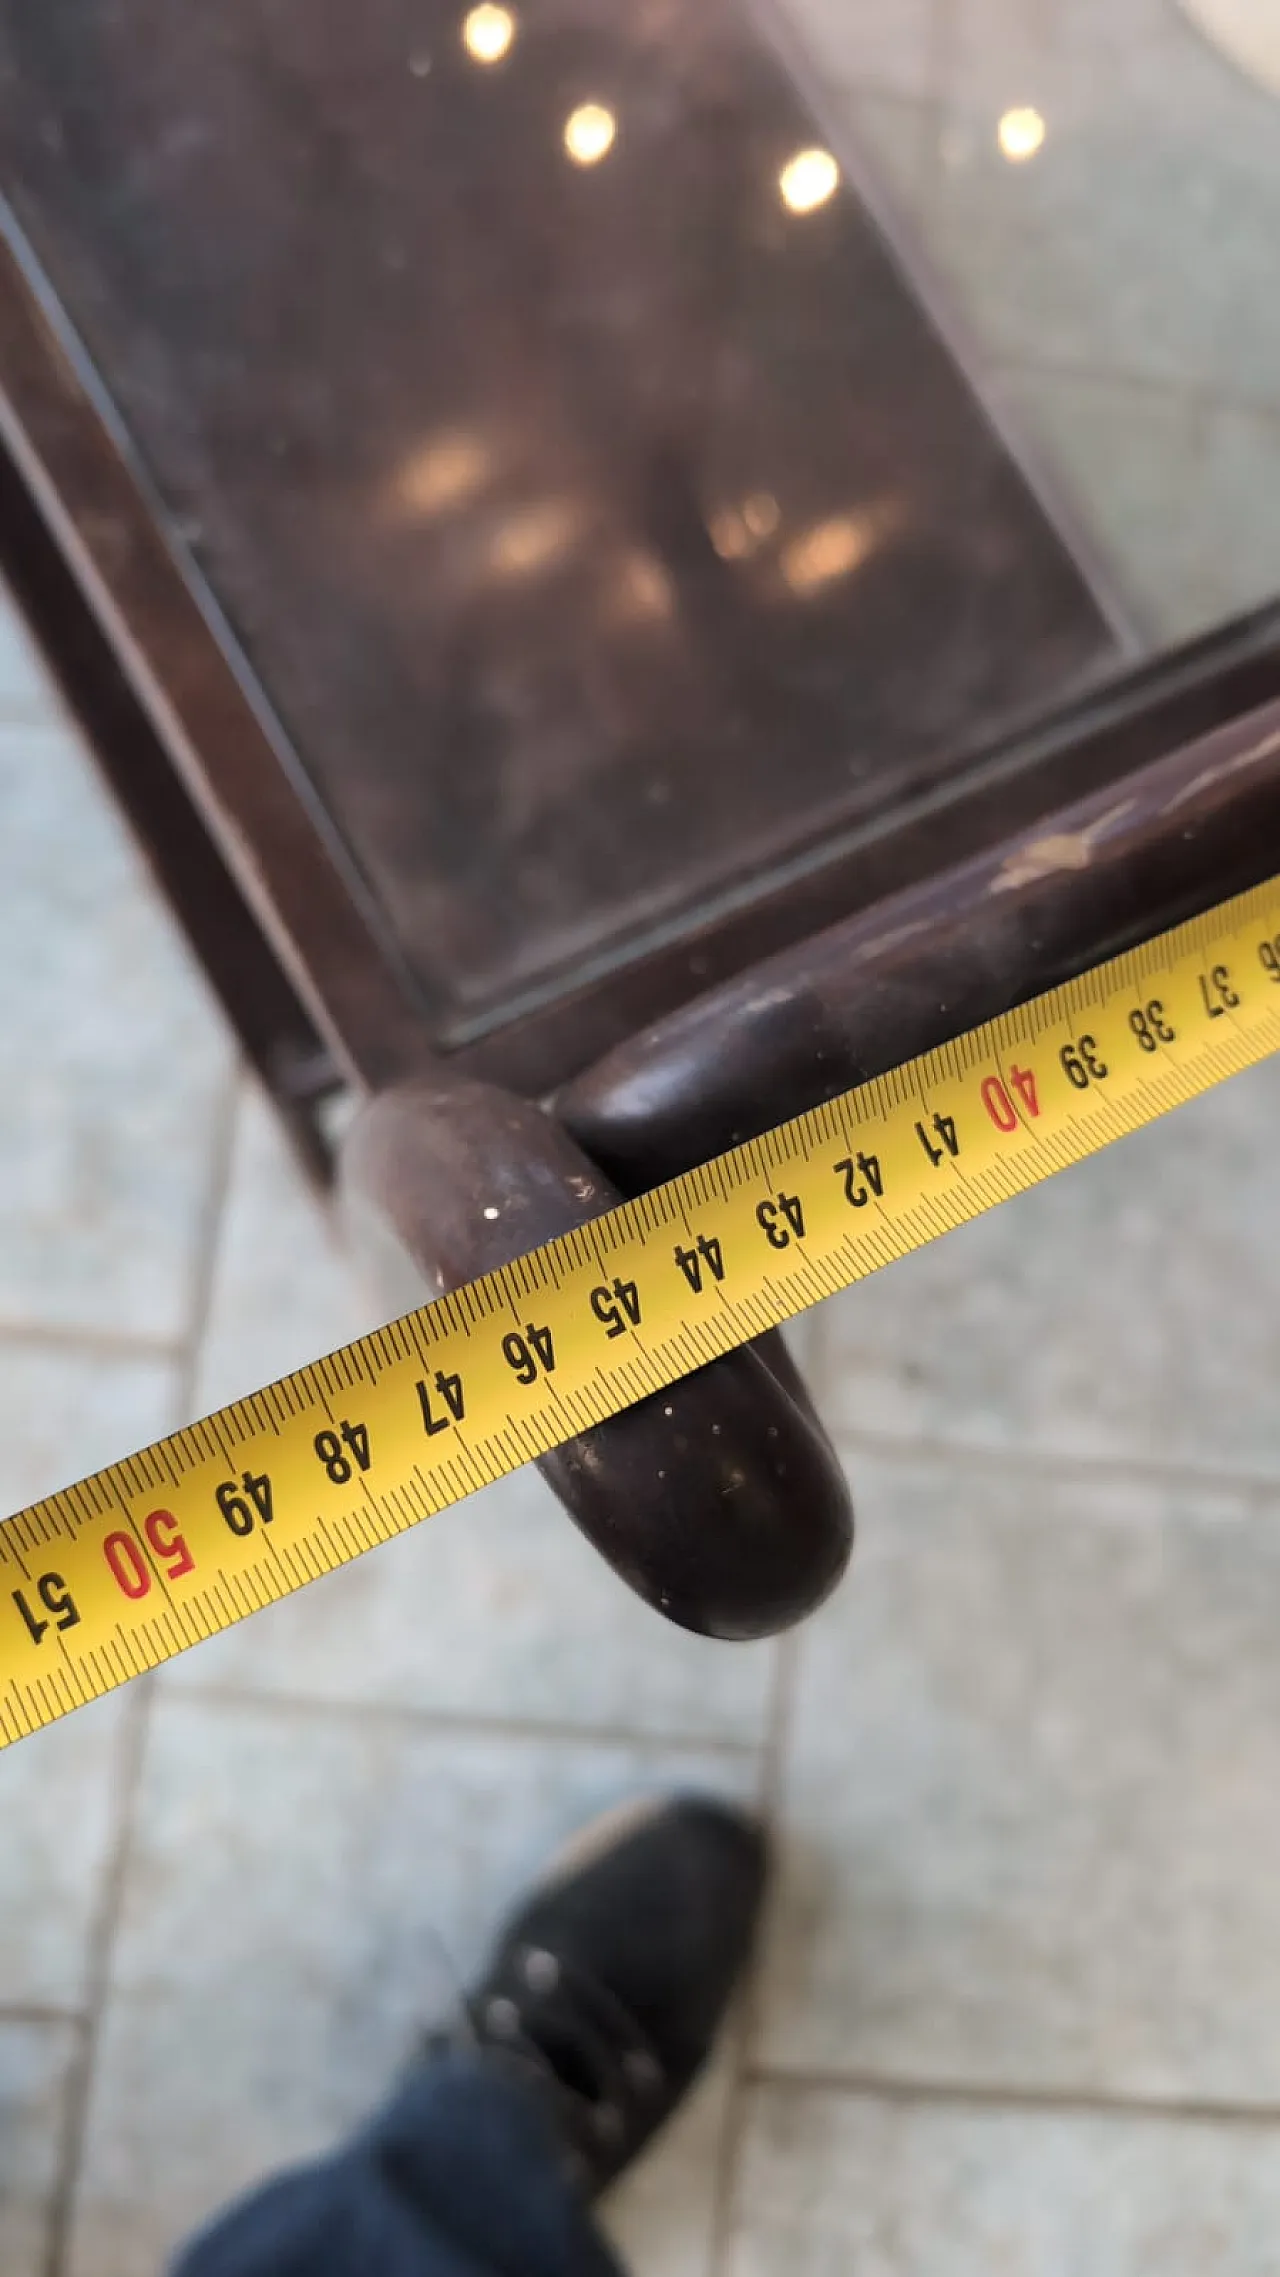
column 119, row 1573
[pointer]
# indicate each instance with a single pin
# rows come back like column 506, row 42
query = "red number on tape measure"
column 1000, row 1106
column 129, row 1568
column 161, row 1530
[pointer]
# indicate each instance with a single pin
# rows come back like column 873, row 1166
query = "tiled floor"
column 1018, row 2009
column 1019, row 2003
column 1117, row 292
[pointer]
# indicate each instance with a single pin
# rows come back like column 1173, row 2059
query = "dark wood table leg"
column 720, row 1501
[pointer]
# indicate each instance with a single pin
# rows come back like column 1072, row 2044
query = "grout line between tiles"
column 860, row 87
column 90, row 1343
column 459, row 1722
column 42, row 2012
column 747, row 2027
column 1065, row 2102
column 1193, row 395
column 30, row 712
column 136, row 1718
column 1083, row 1470
column 204, row 1270
column 101, row 1946
column 943, row 48
column 822, row 1370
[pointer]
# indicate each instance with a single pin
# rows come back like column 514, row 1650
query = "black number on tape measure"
column 781, row 1218
column 862, row 1178
column 243, row 1505
column 1150, row 1025
column 618, row 1308
column 1216, row 993
column 691, row 1261
column 57, row 1601
column 450, row 1390
column 944, row 1127
column 526, row 1355
column 1081, row 1063
column 1269, row 957
column 329, row 1445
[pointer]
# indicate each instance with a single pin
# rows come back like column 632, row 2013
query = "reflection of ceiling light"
column 737, row 530
column 642, row 592
column 1020, row 134
column 589, row 134
column 535, row 537
column 444, row 473
column 729, row 534
column 808, row 180
column 488, row 32
column 838, row 547
column 762, row 514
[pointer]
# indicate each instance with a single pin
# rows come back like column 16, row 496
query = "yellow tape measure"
column 118, row 1574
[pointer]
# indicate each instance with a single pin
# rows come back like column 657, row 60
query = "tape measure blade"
column 175, row 1543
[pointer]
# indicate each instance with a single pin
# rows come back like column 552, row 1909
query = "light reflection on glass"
column 738, row 530
column 836, row 548
column 1020, row 134
column 808, row 180
column 729, row 534
column 487, row 33
column 762, row 514
column 444, row 473
column 534, row 537
column 642, row 592
column 590, row 133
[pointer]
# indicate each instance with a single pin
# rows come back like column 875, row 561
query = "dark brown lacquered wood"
column 1095, row 743
column 576, row 532
column 67, row 450
column 1162, row 844
column 554, row 591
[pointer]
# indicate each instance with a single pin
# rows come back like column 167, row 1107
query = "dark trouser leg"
column 460, row 2175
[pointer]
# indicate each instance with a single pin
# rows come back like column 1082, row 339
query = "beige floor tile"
column 117, row 1063
column 1180, row 499
column 34, row 2062
column 1030, row 1835
column 1238, row 510
column 845, row 2186
column 497, row 1608
column 888, row 45
column 60, row 1796
column 65, row 1411
column 60, row 1417
column 890, row 141
column 62, row 1414
column 1128, row 1309
column 1139, row 239
column 1131, row 459
column 662, row 2218
column 303, row 1886
column 283, row 1291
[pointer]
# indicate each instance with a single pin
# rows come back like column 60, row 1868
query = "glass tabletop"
column 639, row 448
column 1093, row 187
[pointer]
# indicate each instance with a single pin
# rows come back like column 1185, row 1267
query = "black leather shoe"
column 609, row 1984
